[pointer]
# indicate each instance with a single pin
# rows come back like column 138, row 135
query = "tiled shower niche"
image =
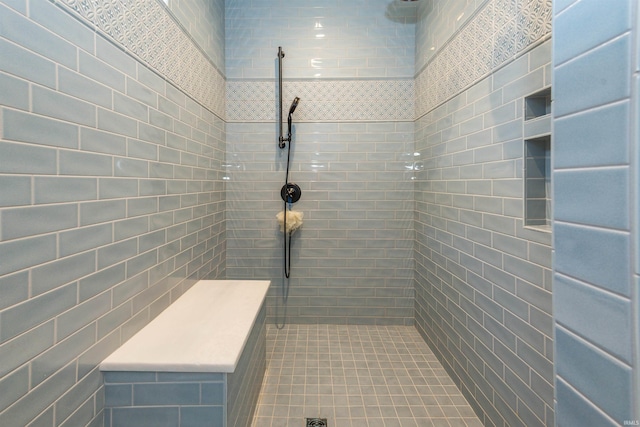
column 538, row 182
column 537, row 147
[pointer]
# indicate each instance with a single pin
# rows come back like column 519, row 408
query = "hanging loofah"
column 294, row 220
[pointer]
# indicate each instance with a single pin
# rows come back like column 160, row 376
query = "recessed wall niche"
column 538, row 104
column 538, row 182
column 537, row 155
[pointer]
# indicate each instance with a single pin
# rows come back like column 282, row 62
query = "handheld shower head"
column 294, row 105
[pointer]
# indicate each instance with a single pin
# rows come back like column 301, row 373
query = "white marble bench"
column 200, row 362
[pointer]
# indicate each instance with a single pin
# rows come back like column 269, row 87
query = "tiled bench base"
column 186, row 399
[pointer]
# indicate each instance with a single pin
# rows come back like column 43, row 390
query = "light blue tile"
column 15, row 385
column 114, row 253
column 142, row 150
column 20, row 318
column 203, row 377
column 142, row 93
column 587, row 368
column 19, row 5
column 14, row 289
column 146, row 417
column 202, row 415
column 609, row 21
column 541, row 126
column 25, row 410
column 150, row 79
column 118, row 124
column 598, row 256
column 601, row 136
column 576, row 411
column 142, row 206
column 13, row 92
column 102, row 142
column 63, row 189
column 532, row 82
column 30, row 221
column 162, row 120
column 130, row 167
column 156, row 135
column 122, row 377
column 45, row 419
column 26, row 346
column 60, row 355
column 79, row 163
column 86, row 89
column 15, row 191
column 83, row 314
column 115, row 57
column 56, row 20
column 104, row 211
column 141, row 263
column 152, row 187
column 599, row 316
column 596, row 197
column 129, row 228
column 118, row 395
column 596, row 78
column 166, row 394
column 20, row 30
column 26, row 127
column 110, row 188
column 130, row 107
column 27, row 252
column 102, row 72
column 60, row 272
column 101, row 281
column 25, row 64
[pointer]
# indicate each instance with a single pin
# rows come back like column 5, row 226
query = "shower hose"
column 287, row 248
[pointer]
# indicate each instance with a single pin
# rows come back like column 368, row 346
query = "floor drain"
column 316, row 422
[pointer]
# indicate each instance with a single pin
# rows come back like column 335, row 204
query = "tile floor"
column 357, row 376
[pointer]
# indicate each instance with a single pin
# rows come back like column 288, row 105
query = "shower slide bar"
column 282, row 138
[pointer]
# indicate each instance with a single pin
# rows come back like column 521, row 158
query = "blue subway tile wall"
column 190, row 399
column 331, row 39
column 112, row 197
column 595, row 274
column 351, row 63
column 458, row 43
column 164, row 398
column 482, row 278
column 352, row 258
column 204, row 22
column 181, row 42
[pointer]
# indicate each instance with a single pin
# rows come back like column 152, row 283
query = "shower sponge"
column 294, row 220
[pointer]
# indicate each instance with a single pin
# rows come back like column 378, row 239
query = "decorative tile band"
column 498, row 33
column 323, row 100
column 147, row 31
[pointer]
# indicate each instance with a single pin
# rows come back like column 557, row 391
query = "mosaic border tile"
column 498, row 33
column 323, row 100
column 147, row 31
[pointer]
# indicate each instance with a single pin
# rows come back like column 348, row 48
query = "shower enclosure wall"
column 112, row 204
column 138, row 153
column 352, row 156
column 483, row 279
